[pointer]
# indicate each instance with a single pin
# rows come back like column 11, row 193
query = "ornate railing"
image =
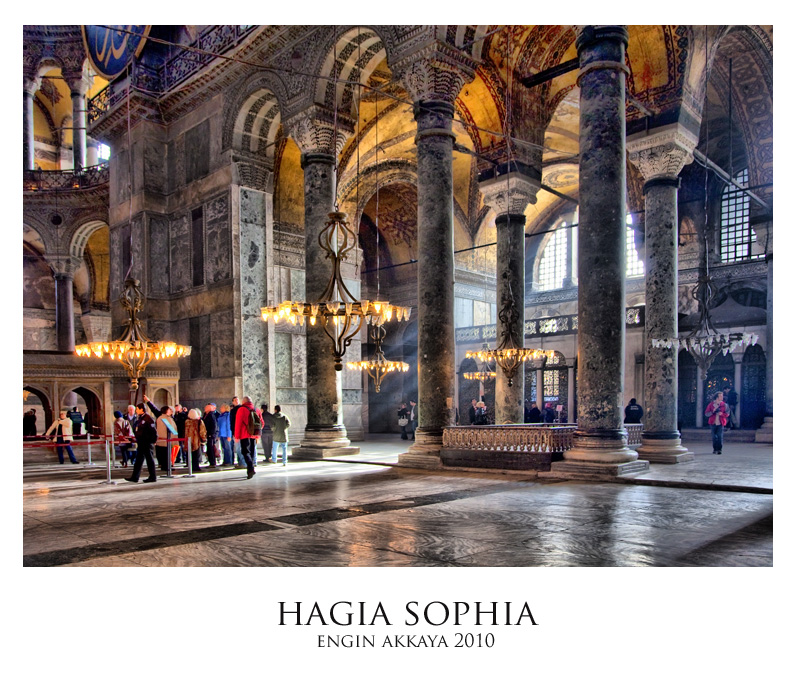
column 155, row 82
column 526, row 437
column 77, row 179
column 538, row 438
column 551, row 325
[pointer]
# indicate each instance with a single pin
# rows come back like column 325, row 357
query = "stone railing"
column 526, row 437
column 73, row 179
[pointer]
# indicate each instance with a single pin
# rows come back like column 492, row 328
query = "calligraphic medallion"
column 112, row 48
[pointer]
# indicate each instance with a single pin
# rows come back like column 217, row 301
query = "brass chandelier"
column 377, row 367
column 134, row 350
column 484, row 371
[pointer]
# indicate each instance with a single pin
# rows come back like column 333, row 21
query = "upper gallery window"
column 736, row 237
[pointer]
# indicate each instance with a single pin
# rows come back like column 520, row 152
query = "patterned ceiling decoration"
column 257, row 124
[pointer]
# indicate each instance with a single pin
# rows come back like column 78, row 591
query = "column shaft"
column 539, row 391
column 64, row 312
column 27, row 131
column 78, row 130
column 571, row 396
column 510, row 288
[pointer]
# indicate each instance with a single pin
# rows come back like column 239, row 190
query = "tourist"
column 63, row 435
column 29, row 423
column 731, row 398
column 235, row 404
column 633, row 413
column 181, row 416
column 404, row 419
column 413, row 418
column 77, row 421
column 472, row 412
column 123, row 437
column 225, row 434
column 146, row 436
column 212, row 431
column 196, row 436
column 246, row 433
column 718, row 412
column 281, row 423
column 481, row 417
column 266, row 435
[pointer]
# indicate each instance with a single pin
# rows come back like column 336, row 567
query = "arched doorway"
column 89, row 405
column 37, row 399
column 719, row 376
column 754, row 381
column 688, row 390
column 162, row 397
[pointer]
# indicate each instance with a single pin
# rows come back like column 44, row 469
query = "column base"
column 765, row 433
column 587, row 470
column 664, row 451
column 323, row 441
column 597, row 455
column 425, row 451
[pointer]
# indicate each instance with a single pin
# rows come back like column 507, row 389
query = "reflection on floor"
column 366, row 511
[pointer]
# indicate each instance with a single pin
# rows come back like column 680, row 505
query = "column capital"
column 314, row 130
column 434, row 73
column 31, row 85
column 79, row 83
column 509, row 193
column 662, row 153
column 63, row 265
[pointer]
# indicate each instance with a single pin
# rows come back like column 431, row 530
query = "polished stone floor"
column 366, row 511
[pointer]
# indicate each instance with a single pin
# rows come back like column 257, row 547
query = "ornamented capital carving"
column 509, row 193
column 662, row 153
column 436, row 72
column 79, row 83
column 30, row 84
column 63, row 265
column 314, row 129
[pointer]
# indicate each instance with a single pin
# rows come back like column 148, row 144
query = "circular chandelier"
column 134, row 350
column 377, row 367
column 341, row 313
column 484, row 371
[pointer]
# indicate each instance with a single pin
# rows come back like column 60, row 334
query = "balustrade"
column 522, row 438
column 72, row 179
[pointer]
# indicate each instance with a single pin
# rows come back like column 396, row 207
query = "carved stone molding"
column 63, row 264
column 510, row 194
column 663, row 153
column 436, row 72
column 314, row 129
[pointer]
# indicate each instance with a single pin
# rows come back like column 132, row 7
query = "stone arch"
column 253, row 117
column 92, row 399
column 81, row 234
column 46, row 402
column 351, row 56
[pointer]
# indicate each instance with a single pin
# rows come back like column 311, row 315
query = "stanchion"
column 113, row 450
column 88, row 447
column 189, row 461
column 168, row 456
column 108, row 462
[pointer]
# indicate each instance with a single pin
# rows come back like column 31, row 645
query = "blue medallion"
column 112, row 48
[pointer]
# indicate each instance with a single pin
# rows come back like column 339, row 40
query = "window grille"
column 736, row 236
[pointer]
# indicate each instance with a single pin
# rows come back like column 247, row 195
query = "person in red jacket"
column 718, row 412
column 242, row 433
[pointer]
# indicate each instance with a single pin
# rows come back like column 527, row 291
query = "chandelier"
column 506, row 356
column 484, row 371
column 340, row 312
column 377, row 367
column 134, row 350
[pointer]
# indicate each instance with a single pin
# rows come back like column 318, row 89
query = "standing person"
column 246, row 433
column 548, row 414
column 717, row 411
column 404, row 419
column 633, row 412
column 164, row 428
column 266, row 435
column 235, row 405
column 196, row 436
column 131, row 416
column 280, row 434
column 63, row 435
column 77, row 420
column 146, row 436
column 480, row 413
column 472, row 412
column 181, row 416
column 123, row 437
column 413, row 417
column 534, row 414
column 225, row 434
column 731, row 399
column 212, row 431
column 29, row 423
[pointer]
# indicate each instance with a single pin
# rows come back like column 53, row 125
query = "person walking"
column 266, row 435
column 404, row 418
column 196, row 436
column 281, row 423
column 63, row 435
column 225, row 435
column 246, row 433
column 718, row 412
column 633, row 412
column 123, row 437
column 146, row 436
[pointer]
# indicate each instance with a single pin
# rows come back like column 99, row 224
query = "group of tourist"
column 408, row 420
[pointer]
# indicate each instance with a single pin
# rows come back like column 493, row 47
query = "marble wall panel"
column 39, row 333
column 180, row 254
column 218, row 265
column 159, row 255
column 297, row 279
column 197, row 151
column 222, row 344
column 283, row 371
column 154, row 166
column 289, row 395
column 299, row 360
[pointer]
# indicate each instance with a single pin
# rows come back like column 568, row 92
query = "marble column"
column 325, row 435
column 764, row 236
column 78, row 87
column 699, row 398
column 509, row 195
column 571, row 394
column 600, row 448
column 434, row 80
column 539, row 391
column 660, row 156
column 29, row 88
column 738, row 383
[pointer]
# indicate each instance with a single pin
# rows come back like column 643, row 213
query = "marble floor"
column 367, row 511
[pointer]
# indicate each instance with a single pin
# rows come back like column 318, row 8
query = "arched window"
column 554, row 262
column 736, row 236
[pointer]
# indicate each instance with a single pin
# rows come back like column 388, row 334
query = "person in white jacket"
column 63, row 435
